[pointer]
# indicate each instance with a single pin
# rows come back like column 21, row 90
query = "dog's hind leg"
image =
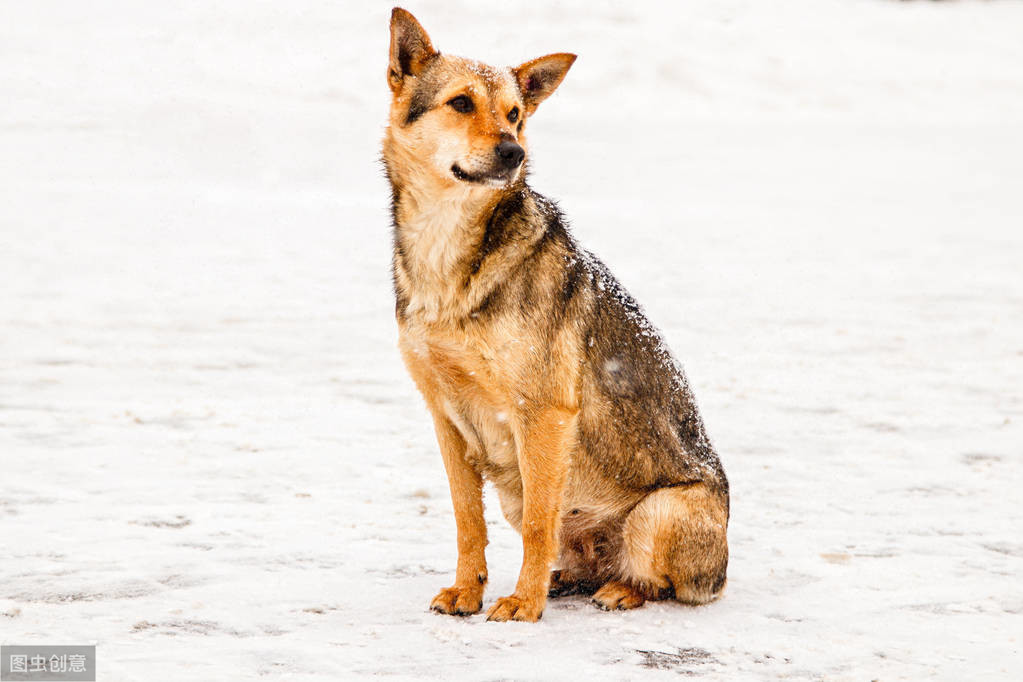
column 674, row 542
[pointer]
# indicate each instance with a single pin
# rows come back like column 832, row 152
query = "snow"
column 212, row 462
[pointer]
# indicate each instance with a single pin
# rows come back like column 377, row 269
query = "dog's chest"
column 470, row 384
column 434, row 239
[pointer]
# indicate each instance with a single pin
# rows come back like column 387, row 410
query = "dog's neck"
column 439, row 225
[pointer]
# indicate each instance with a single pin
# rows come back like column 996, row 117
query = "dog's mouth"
column 494, row 179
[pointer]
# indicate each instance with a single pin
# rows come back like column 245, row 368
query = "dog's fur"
column 541, row 372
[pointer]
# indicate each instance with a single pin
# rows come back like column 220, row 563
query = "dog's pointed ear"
column 410, row 48
column 540, row 77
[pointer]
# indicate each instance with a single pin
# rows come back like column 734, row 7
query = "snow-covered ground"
column 213, row 465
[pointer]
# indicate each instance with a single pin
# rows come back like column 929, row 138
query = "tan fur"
column 516, row 399
column 673, row 536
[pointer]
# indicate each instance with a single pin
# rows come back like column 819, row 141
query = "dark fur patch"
column 497, row 227
column 488, row 305
column 423, row 96
column 404, row 59
column 539, row 80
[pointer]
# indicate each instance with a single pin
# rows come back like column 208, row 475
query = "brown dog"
column 542, row 374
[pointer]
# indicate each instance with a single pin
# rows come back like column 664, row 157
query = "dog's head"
column 458, row 120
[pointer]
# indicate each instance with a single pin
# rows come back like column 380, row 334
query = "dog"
column 541, row 373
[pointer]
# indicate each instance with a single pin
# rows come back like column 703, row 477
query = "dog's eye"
column 461, row 104
column 513, row 115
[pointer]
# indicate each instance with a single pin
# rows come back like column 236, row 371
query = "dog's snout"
column 510, row 154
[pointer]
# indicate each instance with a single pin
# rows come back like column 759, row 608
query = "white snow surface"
column 214, row 466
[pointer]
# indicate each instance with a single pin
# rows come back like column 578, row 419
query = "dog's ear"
column 410, row 48
column 540, row 77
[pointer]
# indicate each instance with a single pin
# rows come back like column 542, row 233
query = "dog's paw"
column 458, row 601
column 618, row 596
column 516, row 608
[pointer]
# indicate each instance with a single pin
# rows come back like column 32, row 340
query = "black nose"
column 510, row 154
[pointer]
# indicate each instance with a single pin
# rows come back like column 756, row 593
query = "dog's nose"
column 510, row 154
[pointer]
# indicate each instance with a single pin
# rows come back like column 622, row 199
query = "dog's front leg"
column 466, row 595
column 543, row 462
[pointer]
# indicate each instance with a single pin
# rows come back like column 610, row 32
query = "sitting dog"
column 541, row 372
